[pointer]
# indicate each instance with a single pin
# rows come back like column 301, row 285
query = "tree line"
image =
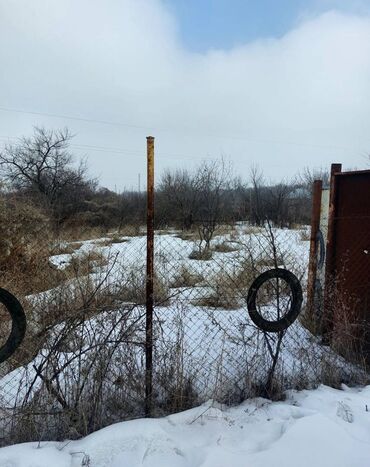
column 41, row 170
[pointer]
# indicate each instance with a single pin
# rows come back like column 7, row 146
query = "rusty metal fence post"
column 149, row 278
column 312, row 266
column 330, row 256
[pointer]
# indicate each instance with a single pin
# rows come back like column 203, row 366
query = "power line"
column 69, row 117
column 213, row 135
column 134, row 153
column 125, row 151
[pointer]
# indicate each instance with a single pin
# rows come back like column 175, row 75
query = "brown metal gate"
column 348, row 253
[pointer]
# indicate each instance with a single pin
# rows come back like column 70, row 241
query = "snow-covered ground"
column 221, row 347
column 201, row 351
column 317, row 428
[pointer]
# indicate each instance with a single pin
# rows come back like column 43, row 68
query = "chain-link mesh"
column 82, row 363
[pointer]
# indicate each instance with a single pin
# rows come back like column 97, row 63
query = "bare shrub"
column 81, row 382
column 82, row 342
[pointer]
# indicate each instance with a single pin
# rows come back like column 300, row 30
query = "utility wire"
column 137, row 153
column 124, row 151
column 69, row 117
column 218, row 135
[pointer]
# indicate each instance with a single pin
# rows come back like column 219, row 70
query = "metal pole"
column 149, row 278
column 312, row 266
column 330, row 256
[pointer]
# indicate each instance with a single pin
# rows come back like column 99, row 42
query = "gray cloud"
column 303, row 99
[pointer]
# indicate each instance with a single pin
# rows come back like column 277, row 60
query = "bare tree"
column 272, row 201
column 278, row 199
column 212, row 180
column 308, row 176
column 201, row 198
column 42, row 166
column 177, row 197
column 257, row 181
column 41, row 163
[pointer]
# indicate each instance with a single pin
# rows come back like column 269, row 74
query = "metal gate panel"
column 351, row 244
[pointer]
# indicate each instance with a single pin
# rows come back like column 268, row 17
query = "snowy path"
column 323, row 427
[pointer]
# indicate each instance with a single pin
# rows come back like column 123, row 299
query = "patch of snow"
column 305, row 430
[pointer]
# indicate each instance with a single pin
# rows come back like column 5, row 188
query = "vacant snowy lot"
column 88, row 372
column 322, row 427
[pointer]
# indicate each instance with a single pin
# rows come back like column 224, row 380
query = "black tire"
column 19, row 324
column 283, row 323
column 318, row 299
column 321, row 249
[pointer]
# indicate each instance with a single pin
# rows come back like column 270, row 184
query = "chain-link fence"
column 82, row 363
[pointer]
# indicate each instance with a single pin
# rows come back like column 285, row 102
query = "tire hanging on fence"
column 284, row 322
column 321, row 249
column 19, row 324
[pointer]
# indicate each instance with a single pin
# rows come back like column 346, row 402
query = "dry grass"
column 115, row 238
column 81, row 233
column 193, row 235
column 311, row 321
column 110, row 241
column 204, row 254
column 133, row 288
column 225, row 229
column 252, row 230
column 224, row 247
column 188, row 235
column 229, row 289
column 130, row 231
column 25, row 239
column 185, row 277
column 349, row 335
column 65, row 248
column 85, row 263
column 295, row 226
column 267, row 261
column 304, row 235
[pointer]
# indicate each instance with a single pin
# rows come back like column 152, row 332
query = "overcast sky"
column 282, row 84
